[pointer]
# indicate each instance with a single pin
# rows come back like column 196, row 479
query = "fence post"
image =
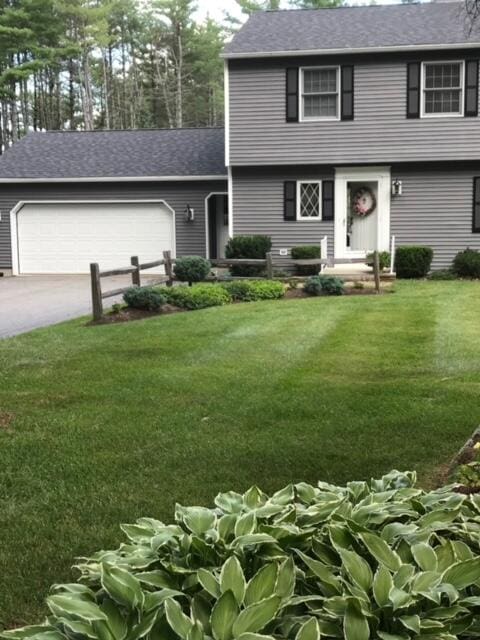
column 97, row 305
column 376, row 270
column 167, row 256
column 269, row 265
column 135, row 274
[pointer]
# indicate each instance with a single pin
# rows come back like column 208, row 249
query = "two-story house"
column 355, row 124
column 337, row 113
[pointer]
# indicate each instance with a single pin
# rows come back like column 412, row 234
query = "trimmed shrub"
column 379, row 559
column 413, row 261
column 383, row 259
column 466, row 264
column 325, row 286
column 253, row 247
column 191, row 269
column 144, row 298
column 306, row 252
column 442, row 274
column 250, row 290
column 198, row 296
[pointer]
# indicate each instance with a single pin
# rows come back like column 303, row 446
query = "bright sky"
column 217, row 8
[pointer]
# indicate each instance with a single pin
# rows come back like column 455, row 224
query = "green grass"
column 115, row 422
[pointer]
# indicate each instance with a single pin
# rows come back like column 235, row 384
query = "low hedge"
column 381, row 559
column 306, row 252
column 466, row 264
column 253, row 247
column 198, row 296
column 251, row 290
column 325, row 286
column 144, row 298
column 413, row 261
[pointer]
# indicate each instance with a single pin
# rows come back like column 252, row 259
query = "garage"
column 65, row 237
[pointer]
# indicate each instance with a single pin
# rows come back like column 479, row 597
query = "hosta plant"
column 381, row 560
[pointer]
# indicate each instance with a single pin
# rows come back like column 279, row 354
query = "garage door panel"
column 66, row 238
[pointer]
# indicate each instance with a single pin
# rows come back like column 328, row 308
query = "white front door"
column 362, row 211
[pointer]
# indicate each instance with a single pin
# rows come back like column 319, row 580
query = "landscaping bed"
column 107, row 425
column 464, row 469
column 125, row 313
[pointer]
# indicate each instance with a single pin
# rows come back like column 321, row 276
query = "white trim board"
column 115, row 179
column 230, row 202
column 226, row 84
column 344, row 50
column 21, row 203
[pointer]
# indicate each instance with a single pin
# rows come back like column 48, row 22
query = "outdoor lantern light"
column 396, row 187
column 189, row 214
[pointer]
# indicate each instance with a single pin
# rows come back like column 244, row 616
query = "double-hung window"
column 442, row 88
column 309, row 200
column 320, row 93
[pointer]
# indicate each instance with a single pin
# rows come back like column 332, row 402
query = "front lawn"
column 101, row 425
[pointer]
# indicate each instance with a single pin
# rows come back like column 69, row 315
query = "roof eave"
column 346, row 50
column 117, row 179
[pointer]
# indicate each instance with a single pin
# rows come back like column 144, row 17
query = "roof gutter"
column 116, row 179
column 348, row 50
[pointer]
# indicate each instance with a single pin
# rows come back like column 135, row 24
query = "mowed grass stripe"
column 115, row 422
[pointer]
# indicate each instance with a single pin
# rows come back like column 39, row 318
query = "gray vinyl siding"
column 380, row 132
column 190, row 237
column 258, row 208
column 435, row 209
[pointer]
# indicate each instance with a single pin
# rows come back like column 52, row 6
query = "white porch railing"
column 323, row 252
column 392, row 255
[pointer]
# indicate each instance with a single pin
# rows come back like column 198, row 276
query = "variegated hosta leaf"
column 380, row 559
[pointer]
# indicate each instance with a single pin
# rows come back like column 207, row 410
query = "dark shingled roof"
column 116, row 154
column 369, row 27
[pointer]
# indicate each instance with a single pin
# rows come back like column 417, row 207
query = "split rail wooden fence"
column 135, row 269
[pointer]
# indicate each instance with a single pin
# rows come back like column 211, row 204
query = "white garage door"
column 66, row 238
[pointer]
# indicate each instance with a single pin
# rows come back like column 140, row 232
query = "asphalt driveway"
column 30, row 302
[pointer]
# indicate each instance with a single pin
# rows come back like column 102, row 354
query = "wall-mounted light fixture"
column 396, row 187
column 189, row 214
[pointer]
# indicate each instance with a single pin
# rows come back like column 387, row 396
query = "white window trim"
column 301, row 218
column 462, row 89
column 302, row 118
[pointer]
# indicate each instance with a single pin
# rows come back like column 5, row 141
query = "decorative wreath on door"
column 363, row 202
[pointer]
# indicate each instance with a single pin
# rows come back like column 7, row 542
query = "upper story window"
column 319, row 93
column 442, row 89
column 309, row 201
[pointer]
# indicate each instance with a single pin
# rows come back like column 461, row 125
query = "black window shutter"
column 328, row 201
column 471, row 88
column 347, row 92
column 290, row 200
column 292, row 94
column 413, row 90
column 476, row 206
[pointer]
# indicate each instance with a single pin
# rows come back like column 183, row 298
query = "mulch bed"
column 127, row 315
column 349, row 291
column 465, row 455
